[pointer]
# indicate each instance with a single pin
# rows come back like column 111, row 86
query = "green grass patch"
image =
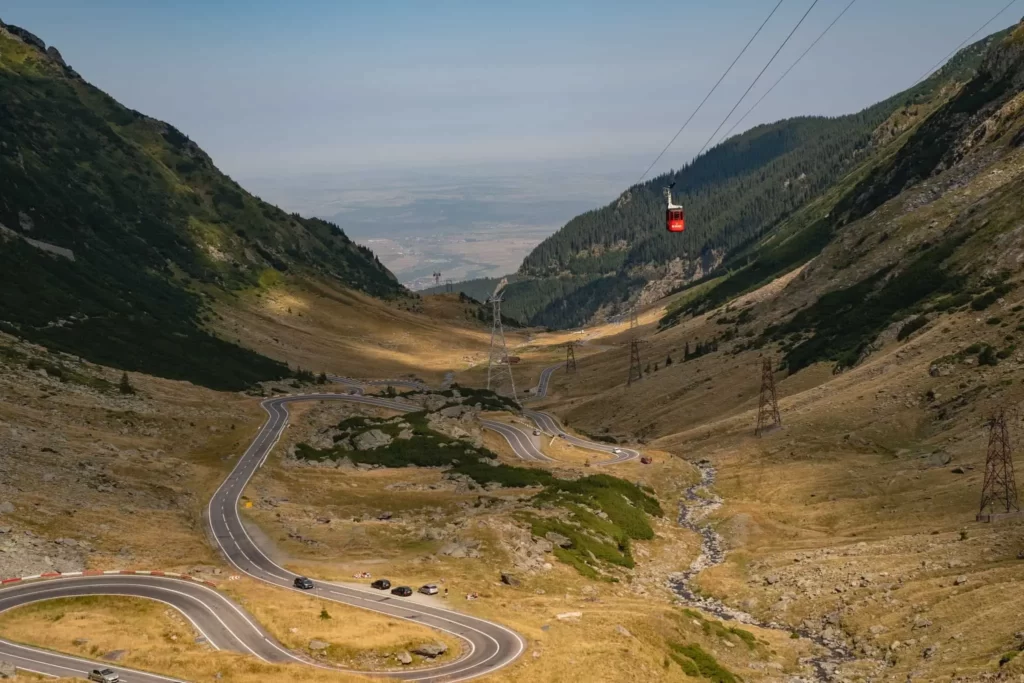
column 706, row 665
column 603, row 514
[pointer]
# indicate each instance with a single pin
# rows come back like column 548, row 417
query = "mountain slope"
column 117, row 229
column 898, row 327
column 735, row 193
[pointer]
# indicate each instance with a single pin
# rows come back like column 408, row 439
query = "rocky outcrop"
column 368, row 441
column 26, row 37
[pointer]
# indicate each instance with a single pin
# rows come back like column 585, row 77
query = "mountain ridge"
column 155, row 230
column 736, row 193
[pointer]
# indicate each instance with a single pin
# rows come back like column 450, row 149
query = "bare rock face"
column 558, row 539
column 27, row 37
column 55, row 55
column 370, row 440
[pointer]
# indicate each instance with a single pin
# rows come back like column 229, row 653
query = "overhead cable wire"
column 710, row 93
column 791, row 67
column 966, row 40
column 754, row 82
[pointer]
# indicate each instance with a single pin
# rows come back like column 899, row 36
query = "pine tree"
column 126, row 386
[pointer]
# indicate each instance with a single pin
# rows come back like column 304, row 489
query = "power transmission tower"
column 768, row 417
column 437, row 278
column 635, row 371
column 633, row 320
column 999, row 492
column 498, row 361
column 570, row 357
column 448, row 286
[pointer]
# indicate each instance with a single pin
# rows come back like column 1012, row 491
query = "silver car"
column 429, row 589
column 104, row 676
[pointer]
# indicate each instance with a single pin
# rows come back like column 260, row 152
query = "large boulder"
column 318, row 645
column 370, row 440
column 8, row 670
column 404, row 657
column 509, row 579
column 453, row 412
column 434, row 402
column 430, row 650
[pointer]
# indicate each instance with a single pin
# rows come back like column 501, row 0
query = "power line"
column 792, row 66
column 967, row 40
column 708, row 96
column 751, row 86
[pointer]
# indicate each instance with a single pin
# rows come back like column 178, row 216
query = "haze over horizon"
column 417, row 120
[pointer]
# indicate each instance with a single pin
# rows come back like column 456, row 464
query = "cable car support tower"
column 498, row 360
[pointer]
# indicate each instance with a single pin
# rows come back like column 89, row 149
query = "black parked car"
column 403, row 591
column 303, row 583
column 381, row 584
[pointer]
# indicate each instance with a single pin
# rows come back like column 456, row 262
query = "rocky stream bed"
column 699, row 502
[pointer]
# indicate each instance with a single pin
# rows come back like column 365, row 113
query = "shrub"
column 911, row 326
column 707, row 666
column 125, row 387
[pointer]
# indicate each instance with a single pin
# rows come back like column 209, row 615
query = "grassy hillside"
column 734, row 194
column 117, row 229
column 897, row 327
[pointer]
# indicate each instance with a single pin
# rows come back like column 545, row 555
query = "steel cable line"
column 967, row 40
column 708, row 96
column 754, row 82
column 786, row 72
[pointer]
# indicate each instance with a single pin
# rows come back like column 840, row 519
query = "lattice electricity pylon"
column 634, row 321
column 570, row 357
column 448, row 286
column 768, row 417
column 498, row 360
column 636, row 372
column 999, row 492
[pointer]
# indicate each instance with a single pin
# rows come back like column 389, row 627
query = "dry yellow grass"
column 359, row 639
column 154, row 637
column 347, row 333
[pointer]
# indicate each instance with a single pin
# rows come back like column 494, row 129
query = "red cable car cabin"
column 675, row 218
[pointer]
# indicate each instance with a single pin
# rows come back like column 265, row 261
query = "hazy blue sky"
column 285, row 88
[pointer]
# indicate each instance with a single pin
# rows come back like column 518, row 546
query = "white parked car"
column 429, row 589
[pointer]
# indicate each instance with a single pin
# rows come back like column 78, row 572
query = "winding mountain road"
column 224, row 625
